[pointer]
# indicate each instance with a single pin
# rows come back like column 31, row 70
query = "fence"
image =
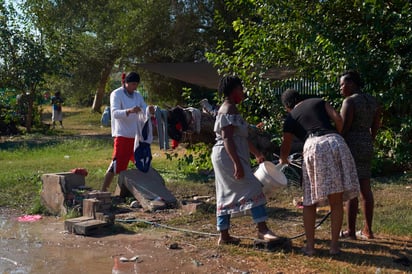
column 306, row 87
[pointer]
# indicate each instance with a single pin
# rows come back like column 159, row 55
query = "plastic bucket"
column 270, row 177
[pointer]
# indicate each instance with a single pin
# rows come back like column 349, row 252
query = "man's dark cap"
column 132, row 77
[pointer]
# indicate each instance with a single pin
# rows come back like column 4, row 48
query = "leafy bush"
column 274, row 34
column 8, row 121
column 393, row 148
column 196, row 162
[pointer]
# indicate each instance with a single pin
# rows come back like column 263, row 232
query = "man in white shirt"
column 127, row 108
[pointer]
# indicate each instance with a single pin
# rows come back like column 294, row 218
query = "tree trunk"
column 98, row 97
column 30, row 111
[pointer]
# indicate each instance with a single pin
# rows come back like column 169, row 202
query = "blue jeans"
column 258, row 214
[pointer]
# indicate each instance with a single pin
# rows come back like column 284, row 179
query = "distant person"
column 57, row 112
column 127, row 108
column 106, row 119
column 361, row 121
column 46, row 96
column 328, row 169
column 237, row 189
column 22, row 102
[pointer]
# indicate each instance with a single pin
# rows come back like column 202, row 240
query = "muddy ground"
column 45, row 247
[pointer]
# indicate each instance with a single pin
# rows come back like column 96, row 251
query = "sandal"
column 363, row 236
column 335, row 252
column 344, row 234
column 268, row 236
column 308, row 253
column 230, row 241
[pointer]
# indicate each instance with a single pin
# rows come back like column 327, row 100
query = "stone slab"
column 69, row 223
column 90, row 227
column 107, row 217
column 193, row 206
column 148, row 188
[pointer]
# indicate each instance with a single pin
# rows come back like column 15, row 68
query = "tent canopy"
column 204, row 74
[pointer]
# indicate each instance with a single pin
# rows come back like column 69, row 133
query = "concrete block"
column 56, row 188
column 193, row 206
column 69, row 223
column 90, row 227
column 52, row 195
column 107, row 217
column 90, row 207
column 106, row 200
column 100, row 195
column 70, row 180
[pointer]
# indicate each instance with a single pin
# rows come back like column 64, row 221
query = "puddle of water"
column 44, row 247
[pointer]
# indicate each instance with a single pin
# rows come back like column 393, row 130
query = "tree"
column 98, row 38
column 321, row 39
column 24, row 61
column 89, row 38
column 179, row 32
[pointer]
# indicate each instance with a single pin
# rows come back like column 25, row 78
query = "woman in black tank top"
column 328, row 169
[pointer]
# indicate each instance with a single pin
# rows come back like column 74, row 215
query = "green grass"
column 392, row 206
column 23, row 160
column 22, row 165
column 84, row 144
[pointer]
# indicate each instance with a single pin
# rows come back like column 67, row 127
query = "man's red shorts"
column 123, row 153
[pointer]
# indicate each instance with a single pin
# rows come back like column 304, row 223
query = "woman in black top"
column 329, row 173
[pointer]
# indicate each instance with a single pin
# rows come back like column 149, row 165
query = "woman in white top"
column 237, row 189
